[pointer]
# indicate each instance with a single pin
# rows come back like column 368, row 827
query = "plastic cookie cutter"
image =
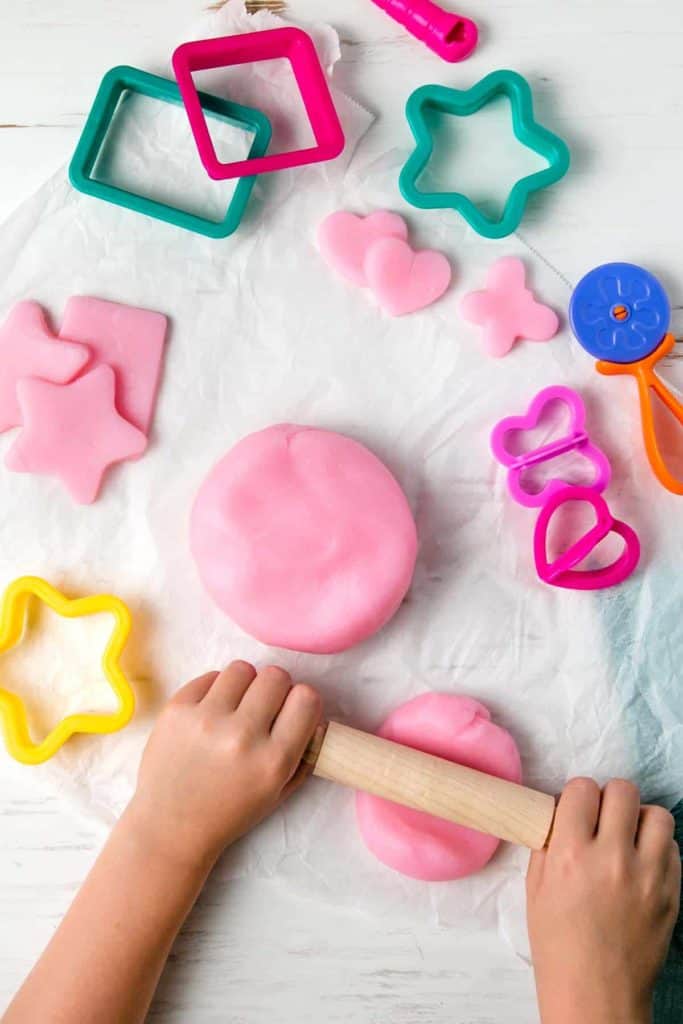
column 562, row 572
column 576, row 439
column 124, row 79
column 464, row 103
column 271, row 44
column 449, row 35
column 12, row 626
column 620, row 314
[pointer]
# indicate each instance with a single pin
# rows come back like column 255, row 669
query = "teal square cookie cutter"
column 463, row 103
column 123, row 79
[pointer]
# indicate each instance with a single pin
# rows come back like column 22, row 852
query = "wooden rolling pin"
column 432, row 784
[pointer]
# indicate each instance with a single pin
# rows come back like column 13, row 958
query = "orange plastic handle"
column 647, row 380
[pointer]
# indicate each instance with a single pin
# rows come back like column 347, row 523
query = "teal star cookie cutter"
column 463, row 103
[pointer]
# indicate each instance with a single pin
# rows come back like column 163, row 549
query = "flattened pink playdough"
column 404, row 280
column 28, row 349
column 128, row 339
column 416, row 844
column 304, row 539
column 344, row 239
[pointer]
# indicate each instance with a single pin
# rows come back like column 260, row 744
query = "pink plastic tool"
column 73, row 432
column 128, row 339
column 28, row 348
column 576, row 439
column 562, row 572
column 272, row 44
column 507, row 309
column 404, row 280
column 345, row 238
column 449, row 35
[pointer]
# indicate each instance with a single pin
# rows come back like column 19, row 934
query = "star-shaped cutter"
column 463, row 103
column 13, row 718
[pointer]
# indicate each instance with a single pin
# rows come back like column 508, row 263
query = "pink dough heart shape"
column 562, row 572
column 404, row 280
column 345, row 238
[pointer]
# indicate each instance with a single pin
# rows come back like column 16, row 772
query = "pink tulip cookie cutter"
column 507, row 310
column 270, row 44
column 575, row 440
column 562, row 572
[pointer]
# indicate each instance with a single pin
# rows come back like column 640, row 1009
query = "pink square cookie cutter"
column 228, row 51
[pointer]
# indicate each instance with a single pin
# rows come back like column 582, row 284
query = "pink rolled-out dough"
column 417, row 844
column 131, row 341
column 304, row 538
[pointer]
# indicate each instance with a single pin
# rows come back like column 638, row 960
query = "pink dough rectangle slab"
column 128, row 339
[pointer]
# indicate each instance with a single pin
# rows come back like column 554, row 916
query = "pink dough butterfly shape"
column 562, row 571
column 576, row 440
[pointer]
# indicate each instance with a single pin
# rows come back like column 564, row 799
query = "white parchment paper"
column 263, row 332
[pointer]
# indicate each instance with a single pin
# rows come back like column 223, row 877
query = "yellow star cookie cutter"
column 12, row 625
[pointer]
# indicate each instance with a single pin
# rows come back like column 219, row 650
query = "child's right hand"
column 224, row 753
column 602, row 902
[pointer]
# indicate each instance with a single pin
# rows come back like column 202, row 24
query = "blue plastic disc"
column 619, row 312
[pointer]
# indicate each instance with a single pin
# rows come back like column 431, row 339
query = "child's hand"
column 224, row 753
column 602, row 903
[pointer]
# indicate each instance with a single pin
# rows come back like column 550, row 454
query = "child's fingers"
column 266, row 695
column 302, row 773
column 230, row 686
column 195, row 691
column 534, row 870
column 577, row 812
column 619, row 812
column 655, row 833
column 297, row 721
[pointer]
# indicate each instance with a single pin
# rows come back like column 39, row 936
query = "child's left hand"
column 223, row 755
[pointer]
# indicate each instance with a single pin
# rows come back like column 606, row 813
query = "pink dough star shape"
column 507, row 309
column 28, row 348
column 73, row 432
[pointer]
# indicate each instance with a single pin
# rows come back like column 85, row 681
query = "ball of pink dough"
column 304, row 538
column 412, row 842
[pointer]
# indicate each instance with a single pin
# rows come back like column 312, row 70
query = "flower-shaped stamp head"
column 619, row 312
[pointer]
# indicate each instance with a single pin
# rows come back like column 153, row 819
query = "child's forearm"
column 103, row 964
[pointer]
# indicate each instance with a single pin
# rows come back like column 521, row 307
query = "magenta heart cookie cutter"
column 562, row 572
column 576, row 440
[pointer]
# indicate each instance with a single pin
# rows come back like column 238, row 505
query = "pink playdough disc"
column 304, row 538
column 417, row 844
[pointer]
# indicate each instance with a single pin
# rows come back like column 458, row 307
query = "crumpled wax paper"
column 262, row 332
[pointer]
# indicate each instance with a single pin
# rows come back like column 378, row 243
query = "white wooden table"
column 253, row 952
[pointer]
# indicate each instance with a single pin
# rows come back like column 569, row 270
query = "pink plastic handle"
column 449, row 35
column 562, row 571
column 576, row 440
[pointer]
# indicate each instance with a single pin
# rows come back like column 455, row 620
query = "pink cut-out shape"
column 507, row 309
column 562, row 572
column 28, row 348
column 345, row 238
column 575, row 439
column 73, row 432
column 403, row 280
column 128, row 339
